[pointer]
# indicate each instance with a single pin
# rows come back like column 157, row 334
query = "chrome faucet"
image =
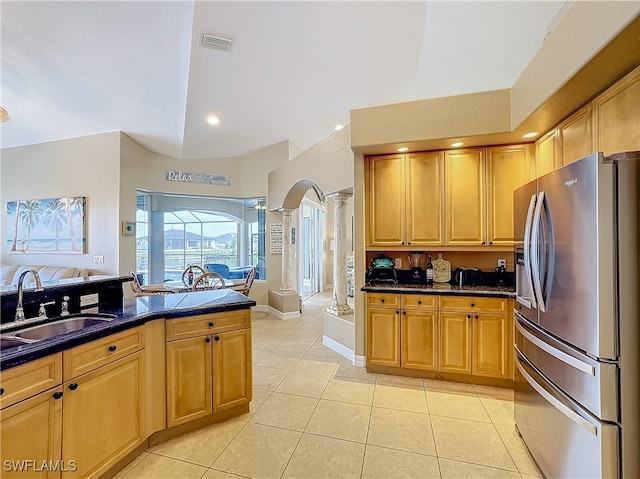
column 19, row 311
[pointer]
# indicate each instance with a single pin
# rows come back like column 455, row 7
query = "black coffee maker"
column 416, row 273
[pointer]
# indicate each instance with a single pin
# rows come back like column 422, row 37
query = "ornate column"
column 339, row 305
column 286, row 251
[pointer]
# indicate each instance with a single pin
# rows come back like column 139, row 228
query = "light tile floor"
column 315, row 415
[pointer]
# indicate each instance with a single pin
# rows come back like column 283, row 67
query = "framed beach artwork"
column 53, row 226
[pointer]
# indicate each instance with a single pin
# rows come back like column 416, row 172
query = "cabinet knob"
column 57, row 395
column 397, row 312
column 382, row 300
column 484, row 242
column 217, row 338
column 113, row 348
column 419, row 302
column 403, row 242
column 408, row 242
column 404, row 312
column 1, row 391
column 468, row 316
column 73, row 386
column 473, row 305
column 208, row 340
column 490, row 242
column 211, row 324
column 476, row 316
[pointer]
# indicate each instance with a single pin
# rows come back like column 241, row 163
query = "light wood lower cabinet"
column 453, row 334
column 31, row 430
column 211, row 372
column 383, row 337
column 103, row 416
column 189, row 380
column 455, row 342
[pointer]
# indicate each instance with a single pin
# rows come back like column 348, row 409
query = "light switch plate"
column 89, row 299
column 398, row 263
column 502, row 262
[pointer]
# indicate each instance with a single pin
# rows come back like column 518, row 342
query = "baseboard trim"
column 360, row 361
column 263, row 308
column 339, row 348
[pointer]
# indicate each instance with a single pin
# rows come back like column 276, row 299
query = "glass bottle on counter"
column 429, row 271
column 190, row 276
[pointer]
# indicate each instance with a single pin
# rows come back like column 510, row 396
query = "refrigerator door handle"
column 528, row 302
column 572, row 415
column 560, row 355
column 535, row 266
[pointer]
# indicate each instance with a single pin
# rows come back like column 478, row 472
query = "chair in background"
column 196, row 270
column 150, row 290
column 208, row 280
column 245, row 287
column 221, row 269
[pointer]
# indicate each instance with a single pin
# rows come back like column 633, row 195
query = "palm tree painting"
column 55, row 225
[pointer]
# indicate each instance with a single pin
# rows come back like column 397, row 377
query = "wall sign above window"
column 188, row 177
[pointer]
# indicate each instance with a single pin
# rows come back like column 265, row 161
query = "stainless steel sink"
column 61, row 326
column 11, row 342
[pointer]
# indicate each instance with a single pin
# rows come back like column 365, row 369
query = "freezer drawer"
column 591, row 383
column 565, row 440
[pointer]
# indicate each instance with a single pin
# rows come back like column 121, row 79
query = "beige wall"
column 109, row 169
column 87, row 166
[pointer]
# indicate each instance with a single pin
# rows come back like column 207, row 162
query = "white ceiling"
column 295, row 69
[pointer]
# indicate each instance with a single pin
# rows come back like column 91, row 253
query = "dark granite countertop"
column 132, row 312
column 442, row 288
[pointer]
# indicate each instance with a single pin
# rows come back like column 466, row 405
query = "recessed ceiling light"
column 403, row 149
column 339, row 127
column 213, row 120
column 457, row 144
column 531, row 134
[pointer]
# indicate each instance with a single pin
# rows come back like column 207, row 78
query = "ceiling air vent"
column 216, row 42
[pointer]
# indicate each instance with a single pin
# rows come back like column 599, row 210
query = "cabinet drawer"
column 474, row 303
column 383, row 300
column 90, row 356
column 419, row 301
column 182, row 328
column 30, row 379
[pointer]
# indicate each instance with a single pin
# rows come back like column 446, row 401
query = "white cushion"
column 11, row 273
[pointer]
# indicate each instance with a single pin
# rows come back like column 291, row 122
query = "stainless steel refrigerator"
column 577, row 315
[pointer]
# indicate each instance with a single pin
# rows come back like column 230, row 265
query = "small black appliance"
column 382, row 270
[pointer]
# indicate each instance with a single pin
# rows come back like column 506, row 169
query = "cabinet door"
column 507, row 171
column 455, row 342
column 31, row 430
column 617, row 116
column 547, row 153
column 465, row 205
column 103, row 417
column 383, row 337
column 386, row 201
column 491, row 345
column 188, row 379
column 574, row 136
column 419, row 339
column 425, row 198
column 231, row 369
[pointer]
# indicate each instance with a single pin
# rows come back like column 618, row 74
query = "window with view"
column 225, row 235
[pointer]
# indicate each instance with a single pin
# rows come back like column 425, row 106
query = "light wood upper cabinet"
column 547, row 153
column 507, row 170
column 405, row 200
column 386, row 202
column 231, row 369
column 425, row 197
column 189, row 379
column 103, row 418
column 383, row 337
column 616, row 116
column 465, row 197
column 32, row 430
column 574, row 136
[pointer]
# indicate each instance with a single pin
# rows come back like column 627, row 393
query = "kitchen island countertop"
column 130, row 313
